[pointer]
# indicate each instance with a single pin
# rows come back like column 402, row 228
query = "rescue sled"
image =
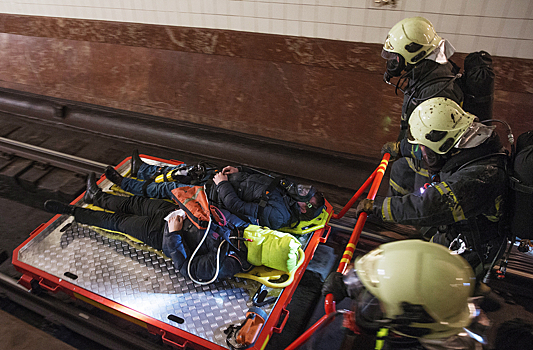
column 138, row 283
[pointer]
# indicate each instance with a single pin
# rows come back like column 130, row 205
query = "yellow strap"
column 270, row 277
column 383, row 332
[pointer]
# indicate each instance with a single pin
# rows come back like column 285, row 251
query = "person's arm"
column 465, row 194
column 173, row 245
column 274, row 215
column 229, row 198
column 230, row 170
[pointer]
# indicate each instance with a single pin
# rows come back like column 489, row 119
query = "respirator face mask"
column 301, row 193
column 395, row 65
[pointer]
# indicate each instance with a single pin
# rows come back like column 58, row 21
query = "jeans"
column 146, row 172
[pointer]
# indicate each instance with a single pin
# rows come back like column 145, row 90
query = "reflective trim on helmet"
column 455, row 207
column 386, row 212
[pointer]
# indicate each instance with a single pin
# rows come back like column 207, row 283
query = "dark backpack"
column 477, row 84
column 521, row 183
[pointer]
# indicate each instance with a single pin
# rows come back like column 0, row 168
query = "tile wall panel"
column 318, row 92
column 306, row 71
column 486, row 20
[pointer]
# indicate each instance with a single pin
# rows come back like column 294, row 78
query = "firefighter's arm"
column 436, row 206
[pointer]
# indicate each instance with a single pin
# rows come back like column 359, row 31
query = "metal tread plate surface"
column 139, row 278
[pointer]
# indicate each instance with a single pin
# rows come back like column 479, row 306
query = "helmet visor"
column 389, row 55
column 305, row 192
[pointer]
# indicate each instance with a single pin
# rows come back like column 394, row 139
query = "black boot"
column 136, row 163
column 113, row 175
column 56, row 207
column 92, row 189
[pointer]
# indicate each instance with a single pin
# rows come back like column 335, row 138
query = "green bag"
column 271, row 248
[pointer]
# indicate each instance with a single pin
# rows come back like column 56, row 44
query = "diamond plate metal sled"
column 141, row 285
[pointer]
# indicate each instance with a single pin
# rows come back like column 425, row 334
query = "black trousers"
column 144, row 219
column 139, row 217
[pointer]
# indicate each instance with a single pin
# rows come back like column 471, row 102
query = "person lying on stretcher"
column 240, row 190
column 222, row 253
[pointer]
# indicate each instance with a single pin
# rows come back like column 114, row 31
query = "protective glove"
column 366, row 206
column 393, row 148
column 334, row 284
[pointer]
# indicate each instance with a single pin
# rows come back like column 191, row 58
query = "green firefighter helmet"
column 413, row 38
column 438, row 123
column 423, row 289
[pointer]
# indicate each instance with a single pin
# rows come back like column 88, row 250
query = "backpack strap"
column 517, row 185
column 266, row 195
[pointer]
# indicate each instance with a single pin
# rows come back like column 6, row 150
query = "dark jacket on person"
column 242, row 194
column 179, row 245
column 428, row 79
column 468, row 200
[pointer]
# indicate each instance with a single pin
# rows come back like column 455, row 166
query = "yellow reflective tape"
column 349, row 253
column 381, row 170
column 455, row 207
column 397, row 187
column 423, row 172
column 350, row 245
column 386, row 212
column 383, row 332
column 499, row 213
column 344, row 260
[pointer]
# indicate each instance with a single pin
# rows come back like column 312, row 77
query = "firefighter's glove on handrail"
column 393, row 148
column 366, row 206
column 334, row 284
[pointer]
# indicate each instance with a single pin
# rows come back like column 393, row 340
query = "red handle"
column 173, row 343
column 324, row 239
column 355, row 196
column 44, row 286
column 284, row 312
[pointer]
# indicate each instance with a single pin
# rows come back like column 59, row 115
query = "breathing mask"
column 299, row 192
column 395, row 65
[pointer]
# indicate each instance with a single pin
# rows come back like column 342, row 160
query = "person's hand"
column 219, row 177
column 366, row 206
column 175, row 223
column 393, row 148
column 334, row 284
column 229, row 170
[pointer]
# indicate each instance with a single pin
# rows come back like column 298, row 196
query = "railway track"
column 41, row 162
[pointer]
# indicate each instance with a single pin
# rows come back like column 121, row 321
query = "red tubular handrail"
column 355, row 196
column 329, row 303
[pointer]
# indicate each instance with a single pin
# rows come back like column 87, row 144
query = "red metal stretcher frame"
column 170, row 335
column 329, row 303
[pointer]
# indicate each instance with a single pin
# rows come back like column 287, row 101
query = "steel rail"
column 91, row 327
column 47, row 156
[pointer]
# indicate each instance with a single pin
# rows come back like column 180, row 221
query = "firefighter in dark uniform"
column 420, row 58
column 465, row 200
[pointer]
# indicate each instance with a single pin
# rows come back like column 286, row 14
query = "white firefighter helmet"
column 423, row 289
column 413, row 38
column 438, row 123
